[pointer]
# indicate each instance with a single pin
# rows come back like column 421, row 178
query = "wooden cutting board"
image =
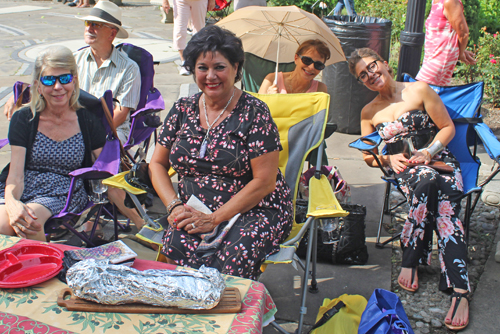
column 230, row 303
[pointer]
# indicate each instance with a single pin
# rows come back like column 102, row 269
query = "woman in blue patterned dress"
column 224, row 145
column 50, row 138
column 404, row 112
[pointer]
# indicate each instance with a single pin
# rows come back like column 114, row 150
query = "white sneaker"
column 183, row 70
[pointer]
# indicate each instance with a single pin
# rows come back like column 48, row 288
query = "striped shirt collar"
column 113, row 59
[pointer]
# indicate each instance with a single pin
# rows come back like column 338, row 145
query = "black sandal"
column 410, row 289
column 459, row 297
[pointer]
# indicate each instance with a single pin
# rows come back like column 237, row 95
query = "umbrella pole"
column 277, row 56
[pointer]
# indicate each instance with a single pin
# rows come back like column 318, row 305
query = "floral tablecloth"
column 35, row 310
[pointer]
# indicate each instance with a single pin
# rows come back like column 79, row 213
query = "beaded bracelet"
column 175, row 203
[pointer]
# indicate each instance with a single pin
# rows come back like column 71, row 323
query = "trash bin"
column 348, row 96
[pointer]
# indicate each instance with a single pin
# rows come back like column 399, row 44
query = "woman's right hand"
column 172, row 218
column 397, row 162
column 273, row 89
column 22, row 219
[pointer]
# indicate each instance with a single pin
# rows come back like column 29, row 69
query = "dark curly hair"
column 215, row 39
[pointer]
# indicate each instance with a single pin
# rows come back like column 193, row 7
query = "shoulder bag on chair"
column 384, row 314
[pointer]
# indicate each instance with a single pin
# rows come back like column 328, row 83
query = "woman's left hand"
column 468, row 58
column 420, row 157
column 211, row 5
column 194, row 221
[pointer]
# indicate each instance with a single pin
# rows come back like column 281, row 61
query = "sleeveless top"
column 282, row 89
column 441, row 48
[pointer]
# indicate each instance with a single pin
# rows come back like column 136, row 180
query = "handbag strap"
column 364, row 328
column 327, row 315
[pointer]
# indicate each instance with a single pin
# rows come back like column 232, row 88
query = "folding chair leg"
column 314, row 284
column 115, row 221
column 303, row 308
column 278, row 327
column 385, row 209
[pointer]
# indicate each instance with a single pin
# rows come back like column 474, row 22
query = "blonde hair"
column 56, row 56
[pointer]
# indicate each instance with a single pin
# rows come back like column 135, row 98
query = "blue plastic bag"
column 384, row 314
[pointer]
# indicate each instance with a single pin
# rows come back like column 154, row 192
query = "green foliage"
column 489, row 15
column 306, row 5
column 394, row 10
column 487, row 68
column 472, row 9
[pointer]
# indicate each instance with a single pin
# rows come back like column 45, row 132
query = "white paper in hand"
column 196, row 204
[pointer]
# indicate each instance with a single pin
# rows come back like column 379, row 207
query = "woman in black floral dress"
column 404, row 112
column 224, row 145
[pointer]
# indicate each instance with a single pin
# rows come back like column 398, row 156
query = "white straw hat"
column 107, row 12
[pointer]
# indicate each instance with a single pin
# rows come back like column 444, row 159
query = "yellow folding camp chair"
column 301, row 121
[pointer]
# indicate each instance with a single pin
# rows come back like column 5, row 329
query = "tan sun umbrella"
column 274, row 33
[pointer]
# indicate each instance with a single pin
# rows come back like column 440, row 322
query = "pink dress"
column 441, row 48
column 281, row 85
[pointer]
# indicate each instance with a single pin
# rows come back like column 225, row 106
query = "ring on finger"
column 193, row 225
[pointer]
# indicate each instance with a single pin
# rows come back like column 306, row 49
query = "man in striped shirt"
column 102, row 67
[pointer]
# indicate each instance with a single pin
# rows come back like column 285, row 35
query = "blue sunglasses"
column 50, row 80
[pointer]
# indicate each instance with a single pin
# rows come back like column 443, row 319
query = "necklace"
column 290, row 85
column 204, row 144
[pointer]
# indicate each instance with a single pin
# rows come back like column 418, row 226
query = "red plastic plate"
column 26, row 265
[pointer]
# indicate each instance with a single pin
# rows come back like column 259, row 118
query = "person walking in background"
column 446, row 37
column 349, row 6
column 184, row 12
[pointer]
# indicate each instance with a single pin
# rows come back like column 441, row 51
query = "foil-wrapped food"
column 105, row 283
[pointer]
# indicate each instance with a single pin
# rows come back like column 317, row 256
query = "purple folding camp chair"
column 106, row 165
column 144, row 121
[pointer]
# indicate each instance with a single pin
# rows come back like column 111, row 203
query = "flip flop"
column 413, row 273
column 459, row 297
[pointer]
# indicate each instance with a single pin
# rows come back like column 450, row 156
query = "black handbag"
column 351, row 247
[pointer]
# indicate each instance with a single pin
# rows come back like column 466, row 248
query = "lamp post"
column 412, row 39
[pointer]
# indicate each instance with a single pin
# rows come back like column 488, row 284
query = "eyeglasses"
column 50, row 80
column 308, row 61
column 372, row 67
column 97, row 25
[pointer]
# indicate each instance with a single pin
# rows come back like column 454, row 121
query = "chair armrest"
column 367, row 143
column 490, row 141
column 106, row 165
column 154, row 103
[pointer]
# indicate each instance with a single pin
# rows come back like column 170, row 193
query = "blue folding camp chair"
column 464, row 105
column 106, row 165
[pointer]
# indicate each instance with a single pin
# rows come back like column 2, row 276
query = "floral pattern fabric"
column 248, row 132
column 434, row 201
column 34, row 309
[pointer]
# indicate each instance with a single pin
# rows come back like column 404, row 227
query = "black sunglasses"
column 308, row 61
column 50, row 80
column 372, row 68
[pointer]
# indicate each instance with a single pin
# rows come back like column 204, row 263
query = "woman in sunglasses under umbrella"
column 310, row 59
column 49, row 138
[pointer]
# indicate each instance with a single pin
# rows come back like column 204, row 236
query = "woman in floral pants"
column 416, row 127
